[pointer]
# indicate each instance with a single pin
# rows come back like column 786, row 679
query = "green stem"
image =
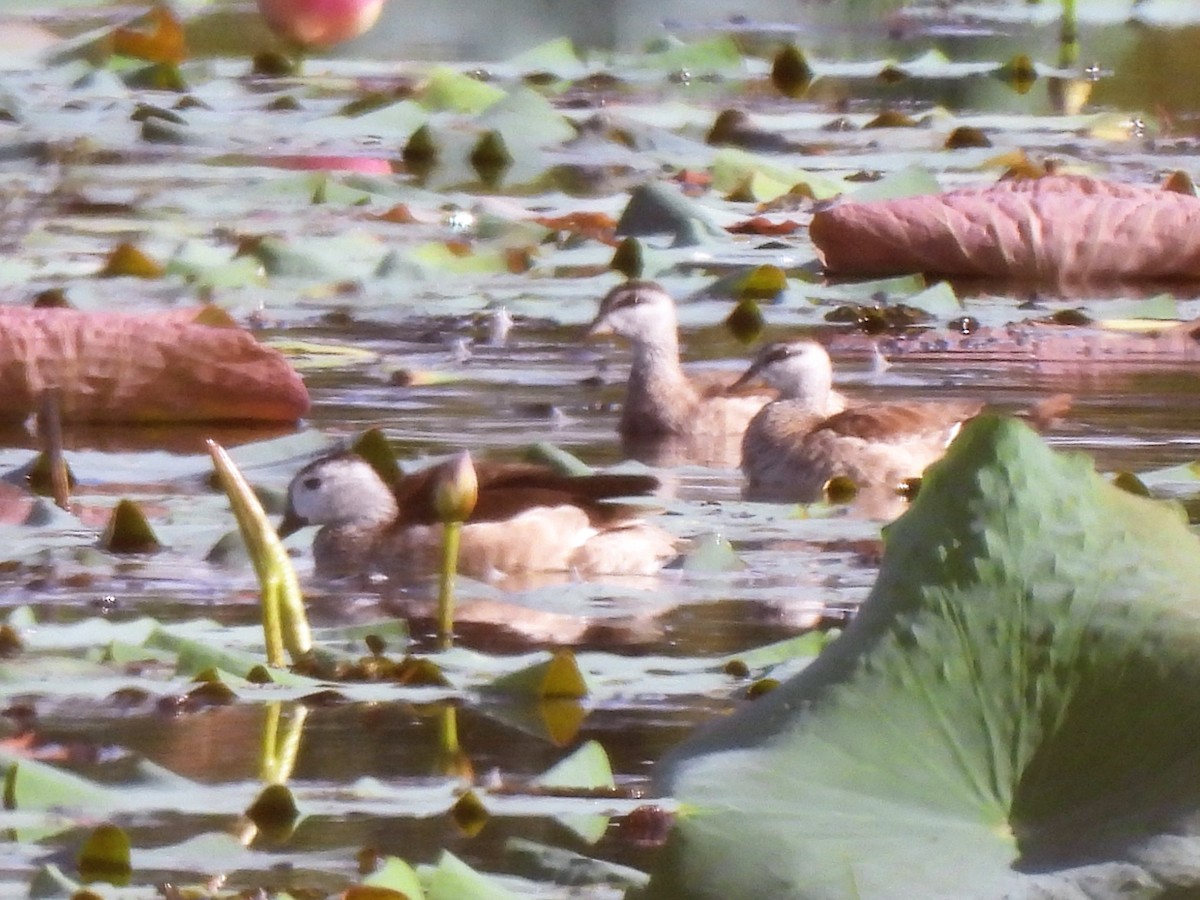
column 288, row 746
column 1068, row 35
column 448, row 731
column 450, row 538
column 268, row 754
column 272, row 619
column 296, row 632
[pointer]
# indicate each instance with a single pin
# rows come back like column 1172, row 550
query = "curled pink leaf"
column 124, row 367
column 1058, row 229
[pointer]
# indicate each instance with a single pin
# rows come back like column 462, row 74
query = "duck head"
column 640, row 311
column 799, row 370
column 341, row 490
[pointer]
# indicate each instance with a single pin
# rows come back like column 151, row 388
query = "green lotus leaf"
column 449, row 89
column 1013, row 713
column 734, row 168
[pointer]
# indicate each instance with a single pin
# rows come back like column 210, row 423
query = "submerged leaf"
column 128, row 531
column 966, row 136
column 469, row 814
column 105, row 856
column 746, row 322
column 372, row 445
column 420, row 150
column 274, row 810
column 558, row 677
column 490, row 157
column 1019, row 73
column 587, row 767
column 627, row 258
column 790, row 72
column 126, row 259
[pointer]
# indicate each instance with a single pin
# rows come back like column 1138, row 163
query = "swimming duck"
column 698, row 417
column 797, row 443
column 527, row 519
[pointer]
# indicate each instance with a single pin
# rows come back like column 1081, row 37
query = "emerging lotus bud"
column 320, row 23
column 457, row 489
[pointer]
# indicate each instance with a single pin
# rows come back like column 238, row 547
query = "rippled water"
column 796, row 567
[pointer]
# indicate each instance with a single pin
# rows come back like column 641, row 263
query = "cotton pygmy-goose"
column 527, row 519
column 696, row 418
column 797, row 443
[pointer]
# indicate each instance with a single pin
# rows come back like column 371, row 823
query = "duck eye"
column 312, row 483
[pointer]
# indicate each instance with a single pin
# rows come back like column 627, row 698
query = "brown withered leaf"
column 126, row 259
column 595, row 225
column 125, row 367
column 399, row 214
column 163, row 43
column 763, row 225
column 1057, row 230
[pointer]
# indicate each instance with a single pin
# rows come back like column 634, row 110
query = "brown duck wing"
column 507, row 489
column 898, row 421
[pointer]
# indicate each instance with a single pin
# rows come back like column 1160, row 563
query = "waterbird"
column 695, row 417
column 527, row 519
column 796, row 444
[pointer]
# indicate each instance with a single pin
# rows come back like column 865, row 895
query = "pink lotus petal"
column 320, row 23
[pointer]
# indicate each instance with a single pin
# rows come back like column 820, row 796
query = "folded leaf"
column 125, row 367
column 1057, row 229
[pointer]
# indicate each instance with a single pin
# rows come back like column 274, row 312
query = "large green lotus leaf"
column 1015, row 712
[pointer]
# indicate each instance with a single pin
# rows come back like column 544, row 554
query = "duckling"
column 797, row 443
column 701, row 421
column 527, row 519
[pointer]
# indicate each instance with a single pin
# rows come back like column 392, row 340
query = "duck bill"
column 599, row 328
column 748, row 376
column 291, row 523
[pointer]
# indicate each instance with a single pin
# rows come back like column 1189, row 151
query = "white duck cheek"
column 303, row 505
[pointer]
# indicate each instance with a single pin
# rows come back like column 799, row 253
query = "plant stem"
column 450, row 538
column 272, row 620
column 448, row 731
column 49, row 426
column 1068, row 34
